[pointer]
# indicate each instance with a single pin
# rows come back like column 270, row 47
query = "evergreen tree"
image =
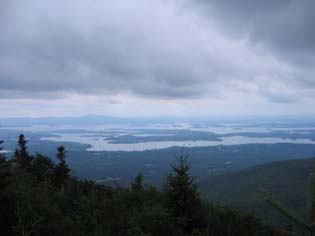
column 4, row 166
column 61, row 154
column 2, row 157
column 61, row 171
column 1, row 148
column 21, row 156
column 7, row 215
column 42, row 167
column 182, row 197
column 137, row 185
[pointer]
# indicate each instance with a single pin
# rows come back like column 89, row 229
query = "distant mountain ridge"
column 29, row 121
column 94, row 120
column 200, row 122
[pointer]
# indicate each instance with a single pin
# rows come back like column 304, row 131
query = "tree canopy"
column 39, row 197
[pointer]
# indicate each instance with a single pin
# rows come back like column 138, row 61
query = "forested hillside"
column 39, row 197
column 286, row 180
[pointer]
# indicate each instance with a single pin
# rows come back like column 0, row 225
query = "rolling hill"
column 286, row 180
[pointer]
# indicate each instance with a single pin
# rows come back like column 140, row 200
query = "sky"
column 157, row 58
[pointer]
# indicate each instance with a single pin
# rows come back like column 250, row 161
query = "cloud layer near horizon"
column 167, row 49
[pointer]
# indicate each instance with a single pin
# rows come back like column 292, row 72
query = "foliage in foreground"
column 39, row 197
column 303, row 226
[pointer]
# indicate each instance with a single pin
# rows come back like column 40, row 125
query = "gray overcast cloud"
column 161, row 51
column 284, row 26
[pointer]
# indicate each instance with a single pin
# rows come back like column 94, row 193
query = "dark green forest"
column 286, row 180
column 40, row 197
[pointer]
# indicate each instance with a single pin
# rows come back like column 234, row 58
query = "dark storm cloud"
column 284, row 26
column 159, row 49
